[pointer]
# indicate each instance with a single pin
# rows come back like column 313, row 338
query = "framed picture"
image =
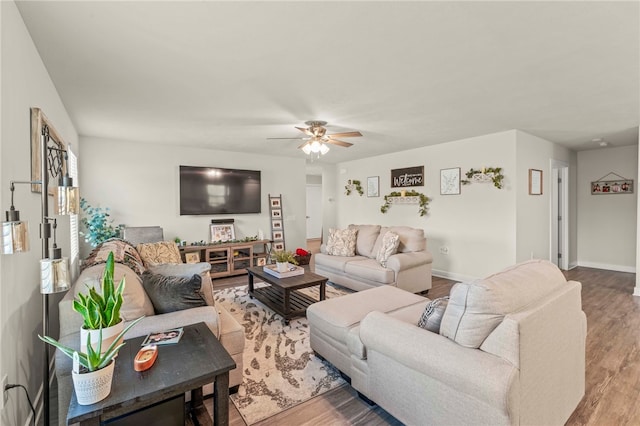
column 193, row 257
column 222, row 233
column 275, row 203
column 535, row 182
column 261, row 261
column 276, row 224
column 38, row 121
column 608, row 187
column 450, row 181
column 279, row 246
column 278, row 235
column 373, row 186
column 276, row 214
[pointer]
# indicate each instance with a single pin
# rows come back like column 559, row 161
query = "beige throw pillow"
column 160, row 252
column 389, row 246
column 432, row 315
column 342, row 242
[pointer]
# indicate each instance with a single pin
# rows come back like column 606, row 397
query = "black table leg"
column 221, row 400
column 250, row 285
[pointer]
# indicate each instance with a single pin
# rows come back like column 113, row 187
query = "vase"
column 282, row 266
column 109, row 334
column 93, row 386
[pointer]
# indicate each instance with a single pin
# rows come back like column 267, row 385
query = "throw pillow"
column 342, row 242
column 169, row 294
column 390, row 243
column 432, row 315
column 123, row 252
column 160, row 252
column 187, row 270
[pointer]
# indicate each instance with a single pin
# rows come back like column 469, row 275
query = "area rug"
column 280, row 369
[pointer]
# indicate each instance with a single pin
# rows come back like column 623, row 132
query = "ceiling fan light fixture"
column 315, row 146
column 324, row 148
column 307, row 149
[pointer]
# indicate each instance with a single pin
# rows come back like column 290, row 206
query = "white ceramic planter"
column 109, row 334
column 282, row 266
column 94, row 386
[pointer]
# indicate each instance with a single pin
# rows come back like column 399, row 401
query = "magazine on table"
column 168, row 337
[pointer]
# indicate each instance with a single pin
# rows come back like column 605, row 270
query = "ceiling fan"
column 316, row 139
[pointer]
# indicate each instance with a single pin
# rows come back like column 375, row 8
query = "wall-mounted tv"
column 212, row 190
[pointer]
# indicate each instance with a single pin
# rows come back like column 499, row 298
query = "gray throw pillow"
column 432, row 315
column 169, row 294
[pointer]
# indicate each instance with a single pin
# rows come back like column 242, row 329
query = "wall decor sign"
column 410, row 176
column 373, row 186
column 222, row 233
column 609, row 187
column 535, row 182
column 450, row 181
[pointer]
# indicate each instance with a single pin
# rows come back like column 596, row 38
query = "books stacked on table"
column 292, row 271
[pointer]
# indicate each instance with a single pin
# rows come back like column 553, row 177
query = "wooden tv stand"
column 228, row 259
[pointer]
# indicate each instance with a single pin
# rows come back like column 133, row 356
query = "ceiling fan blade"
column 305, row 131
column 300, row 147
column 339, row 143
column 345, row 135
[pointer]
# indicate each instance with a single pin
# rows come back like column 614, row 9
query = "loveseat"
column 408, row 266
column 506, row 350
column 138, row 303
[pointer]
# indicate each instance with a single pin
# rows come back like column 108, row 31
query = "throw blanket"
column 123, row 252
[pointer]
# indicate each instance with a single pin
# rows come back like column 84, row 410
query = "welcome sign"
column 410, row 176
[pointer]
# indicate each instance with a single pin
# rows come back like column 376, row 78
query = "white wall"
column 533, row 211
column 607, row 223
column 478, row 226
column 25, row 84
column 139, row 182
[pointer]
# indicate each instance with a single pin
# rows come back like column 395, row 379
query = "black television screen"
column 212, row 190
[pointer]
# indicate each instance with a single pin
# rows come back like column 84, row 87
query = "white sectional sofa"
column 510, row 349
column 408, row 269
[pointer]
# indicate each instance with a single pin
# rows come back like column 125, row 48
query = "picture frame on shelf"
column 275, row 202
column 450, row 181
column 535, row 182
column 373, row 186
column 278, row 235
column 222, row 232
column 193, row 257
column 276, row 224
column 276, row 213
column 261, row 261
column 278, row 246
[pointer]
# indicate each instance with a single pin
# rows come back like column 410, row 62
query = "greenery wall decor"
column 98, row 224
column 423, row 200
column 488, row 174
column 353, row 184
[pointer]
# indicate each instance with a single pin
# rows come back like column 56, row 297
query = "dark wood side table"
column 196, row 360
column 281, row 294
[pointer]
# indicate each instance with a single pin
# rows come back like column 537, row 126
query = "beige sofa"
column 137, row 303
column 510, row 351
column 408, row 269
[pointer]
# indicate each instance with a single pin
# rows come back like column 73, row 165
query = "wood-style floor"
column 612, row 368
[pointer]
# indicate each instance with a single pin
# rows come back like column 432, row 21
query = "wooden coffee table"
column 196, row 360
column 282, row 295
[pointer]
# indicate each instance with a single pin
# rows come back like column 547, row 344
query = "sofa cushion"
column 366, row 239
column 187, row 270
column 160, row 252
column 135, row 302
column 170, row 294
column 370, row 270
column 335, row 263
column 433, row 313
column 389, row 246
column 475, row 309
column 342, row 242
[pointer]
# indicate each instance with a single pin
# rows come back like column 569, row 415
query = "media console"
column 228, row 259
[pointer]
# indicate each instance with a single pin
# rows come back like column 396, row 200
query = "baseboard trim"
column 608, row 267
column 572, row 265
column 452, row 275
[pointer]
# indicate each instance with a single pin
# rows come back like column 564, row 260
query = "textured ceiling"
column 227, row 75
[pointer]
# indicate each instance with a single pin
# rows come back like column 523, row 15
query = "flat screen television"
column 212, row 190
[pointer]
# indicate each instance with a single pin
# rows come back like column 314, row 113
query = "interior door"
column 314, row 211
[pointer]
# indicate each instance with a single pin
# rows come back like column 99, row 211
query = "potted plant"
column 283, row 258
column 92, row 370
column 101, row 310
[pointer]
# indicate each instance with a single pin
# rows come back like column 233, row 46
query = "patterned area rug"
column 280, row 370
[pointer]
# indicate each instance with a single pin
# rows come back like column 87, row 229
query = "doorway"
column 559, row 250
column 314, row 211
